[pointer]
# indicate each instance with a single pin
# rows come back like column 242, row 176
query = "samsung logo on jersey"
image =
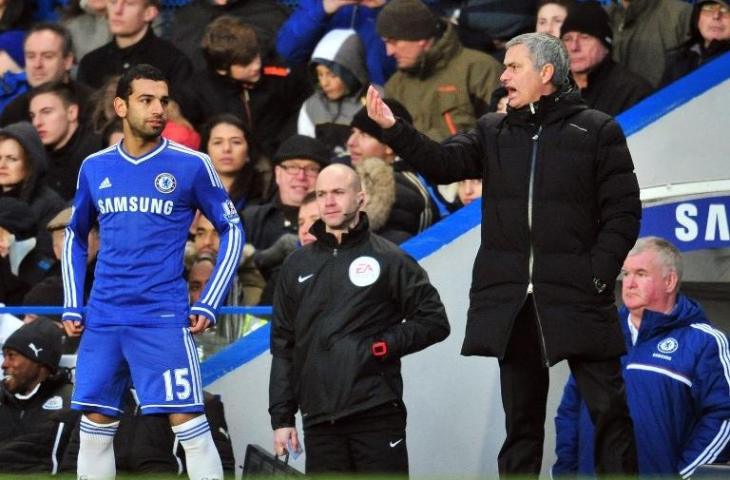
column 135, row 204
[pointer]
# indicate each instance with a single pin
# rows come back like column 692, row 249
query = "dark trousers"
column 373, row 443
column 524, row 379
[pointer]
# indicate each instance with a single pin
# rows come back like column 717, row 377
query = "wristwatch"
column 599, row 285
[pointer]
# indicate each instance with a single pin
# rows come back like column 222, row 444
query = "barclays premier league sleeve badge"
column 229, row 212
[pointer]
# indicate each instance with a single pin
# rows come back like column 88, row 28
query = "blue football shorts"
column 160, row 362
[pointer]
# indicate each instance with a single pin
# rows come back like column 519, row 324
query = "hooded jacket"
column 560, row 208
column 34, row 432
column 299, row 35
column 341, row 51
column 677, row 381
column 320, row 342
column 44, row 202
column 449, row 88
column 645, row 31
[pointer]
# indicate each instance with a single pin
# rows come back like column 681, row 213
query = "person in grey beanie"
column 35, row 400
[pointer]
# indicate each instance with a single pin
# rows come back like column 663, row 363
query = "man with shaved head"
column 346, row 308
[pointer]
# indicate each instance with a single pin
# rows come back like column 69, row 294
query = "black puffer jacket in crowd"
column 559, row 188
column 34, row 432
column 613, row 89
column 332, row 302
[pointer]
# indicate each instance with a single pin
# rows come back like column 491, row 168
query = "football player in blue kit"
column 137, row 324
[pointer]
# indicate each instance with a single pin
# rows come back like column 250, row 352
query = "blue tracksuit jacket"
column 678, row 389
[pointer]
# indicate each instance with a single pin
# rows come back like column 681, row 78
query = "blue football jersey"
column 144, row 207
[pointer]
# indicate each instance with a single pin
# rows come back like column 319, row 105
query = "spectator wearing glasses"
column 272, row 227
column 709, row 38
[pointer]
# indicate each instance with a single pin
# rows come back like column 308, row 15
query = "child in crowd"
column 338, row 64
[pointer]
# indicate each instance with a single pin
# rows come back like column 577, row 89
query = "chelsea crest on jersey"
column 144, row 207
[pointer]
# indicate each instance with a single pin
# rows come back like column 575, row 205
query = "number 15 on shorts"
column 181, row 388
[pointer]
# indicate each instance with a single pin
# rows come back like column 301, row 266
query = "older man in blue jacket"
column 677, row 375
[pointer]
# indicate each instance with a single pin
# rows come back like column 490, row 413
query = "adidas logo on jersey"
column 106, row 183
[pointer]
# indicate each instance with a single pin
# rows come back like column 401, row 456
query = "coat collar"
column 549, row 108
column 355, row 236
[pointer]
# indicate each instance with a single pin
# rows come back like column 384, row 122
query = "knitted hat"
column 590, row 18
column 17, row 218
column 362, row 122
column 40, row 341
column 28, row 138
column 407, row 20
column 301, row 147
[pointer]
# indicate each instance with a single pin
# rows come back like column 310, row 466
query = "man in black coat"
column 271, row 227
column 347, row 308
column 604, row 84
column 54, row 110
column 561, row 210
column 134, row 42
column 35, row 400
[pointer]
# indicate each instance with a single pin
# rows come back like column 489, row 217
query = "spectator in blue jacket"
column 313, row 18
column 677, row 375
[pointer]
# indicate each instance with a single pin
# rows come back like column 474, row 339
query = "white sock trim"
column 192, row 428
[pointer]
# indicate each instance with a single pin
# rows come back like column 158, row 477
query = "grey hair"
column 544, row 49
column 669, row 255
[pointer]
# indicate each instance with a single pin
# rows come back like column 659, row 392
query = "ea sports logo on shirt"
column 364, row 271
column 165, row 183
column 668, row 345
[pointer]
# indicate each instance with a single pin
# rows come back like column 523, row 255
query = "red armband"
column 379, row 349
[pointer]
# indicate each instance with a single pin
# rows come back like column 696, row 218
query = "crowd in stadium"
column 274, row 92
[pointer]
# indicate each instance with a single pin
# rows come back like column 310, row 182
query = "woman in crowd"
column 551, row 15
column 243, row 173
column 22, row 168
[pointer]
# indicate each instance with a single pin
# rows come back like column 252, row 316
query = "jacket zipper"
column 530, row 288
